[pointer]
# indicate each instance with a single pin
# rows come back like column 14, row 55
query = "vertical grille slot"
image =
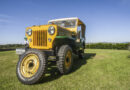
column 40, row 38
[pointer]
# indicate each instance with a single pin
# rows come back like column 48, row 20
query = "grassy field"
column 99, row 70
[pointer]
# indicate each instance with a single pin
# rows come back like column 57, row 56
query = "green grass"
column 99, row 70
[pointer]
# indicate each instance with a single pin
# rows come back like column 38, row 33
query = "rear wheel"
column 31, row 66
column 65, row 59
column 80, row 54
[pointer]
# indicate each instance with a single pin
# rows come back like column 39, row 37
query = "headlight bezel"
column 51, row 30
column 29, row 32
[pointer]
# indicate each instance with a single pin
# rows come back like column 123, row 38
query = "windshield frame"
column 65, row 20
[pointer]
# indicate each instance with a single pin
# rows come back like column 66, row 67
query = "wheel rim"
column 29, row 65
column 68, row 59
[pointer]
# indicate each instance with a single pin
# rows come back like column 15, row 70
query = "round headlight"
column 51, row 30
column 29, row 32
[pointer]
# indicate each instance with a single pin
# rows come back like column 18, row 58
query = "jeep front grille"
column 40, row 38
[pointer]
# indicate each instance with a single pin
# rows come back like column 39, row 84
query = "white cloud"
column 4, row 18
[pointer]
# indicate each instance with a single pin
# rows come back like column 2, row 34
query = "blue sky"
column 106, row 20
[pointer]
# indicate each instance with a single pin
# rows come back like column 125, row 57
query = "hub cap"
column 29, row 65
column 68, row 59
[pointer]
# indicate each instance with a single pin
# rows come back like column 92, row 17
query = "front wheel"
column 31, row 66
column 65, row 59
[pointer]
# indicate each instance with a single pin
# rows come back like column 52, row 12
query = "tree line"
column 11, row 46
column 119, row 46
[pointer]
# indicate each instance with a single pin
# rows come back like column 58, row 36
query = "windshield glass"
column 65, row 23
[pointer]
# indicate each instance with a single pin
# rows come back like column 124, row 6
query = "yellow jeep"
column 60, row 38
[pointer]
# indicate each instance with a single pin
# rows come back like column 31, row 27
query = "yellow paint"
column 41, row 28
column 29, row 65
column 44, row 28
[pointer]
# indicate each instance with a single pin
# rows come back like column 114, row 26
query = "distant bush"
column 11, row 46
column 120, row 46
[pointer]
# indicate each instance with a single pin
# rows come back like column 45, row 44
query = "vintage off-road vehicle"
column 60, row 39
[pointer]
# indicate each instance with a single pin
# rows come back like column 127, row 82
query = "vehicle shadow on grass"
column 128, row 56
column 80, row 62
column 53, row 73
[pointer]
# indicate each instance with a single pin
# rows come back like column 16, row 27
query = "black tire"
column 61, row 59
column 40, row 72
column 80, row 54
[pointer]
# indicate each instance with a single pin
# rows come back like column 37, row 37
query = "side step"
column 50, row 58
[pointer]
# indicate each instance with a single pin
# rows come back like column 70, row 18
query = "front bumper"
column 20, row 51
